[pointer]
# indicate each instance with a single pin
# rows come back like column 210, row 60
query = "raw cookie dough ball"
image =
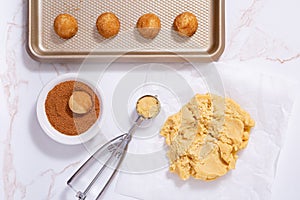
column 80, row 102
column 108, row 25
column 65, row 26
column 148, row 25
column 186, row 24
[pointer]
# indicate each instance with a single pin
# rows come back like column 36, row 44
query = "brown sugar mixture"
column 59, row 113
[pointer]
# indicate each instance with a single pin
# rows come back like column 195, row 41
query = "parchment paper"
column 269, row 100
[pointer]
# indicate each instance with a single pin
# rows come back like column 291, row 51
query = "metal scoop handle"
column 117, row 147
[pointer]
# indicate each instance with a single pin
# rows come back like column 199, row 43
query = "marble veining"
column 251, row 41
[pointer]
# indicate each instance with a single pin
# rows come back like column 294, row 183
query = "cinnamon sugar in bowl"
column 69, row 109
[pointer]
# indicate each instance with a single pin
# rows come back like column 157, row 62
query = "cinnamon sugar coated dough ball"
column 149, row 25
column 65, row 26
column 108, row 25
column 186, row 24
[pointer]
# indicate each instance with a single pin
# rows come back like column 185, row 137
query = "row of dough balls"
column 108, row 25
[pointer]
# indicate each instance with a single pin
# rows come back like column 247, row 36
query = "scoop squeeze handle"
column 97, row 183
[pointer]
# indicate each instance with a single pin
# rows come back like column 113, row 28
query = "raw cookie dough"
column 186, row 24
column 148, row 25
column 148, row 106
column 205, row 136
column 65, row 26
column 108, row 25
column 80, row 102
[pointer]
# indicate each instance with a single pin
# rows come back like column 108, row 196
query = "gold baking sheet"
column 206, row 45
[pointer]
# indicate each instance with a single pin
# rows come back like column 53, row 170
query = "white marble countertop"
column 261, row 35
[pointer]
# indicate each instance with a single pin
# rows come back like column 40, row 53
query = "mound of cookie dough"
column 205, row 136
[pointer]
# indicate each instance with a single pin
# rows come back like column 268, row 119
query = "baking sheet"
column 206, row 45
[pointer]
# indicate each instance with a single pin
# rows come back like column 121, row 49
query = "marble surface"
column 261, row 35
